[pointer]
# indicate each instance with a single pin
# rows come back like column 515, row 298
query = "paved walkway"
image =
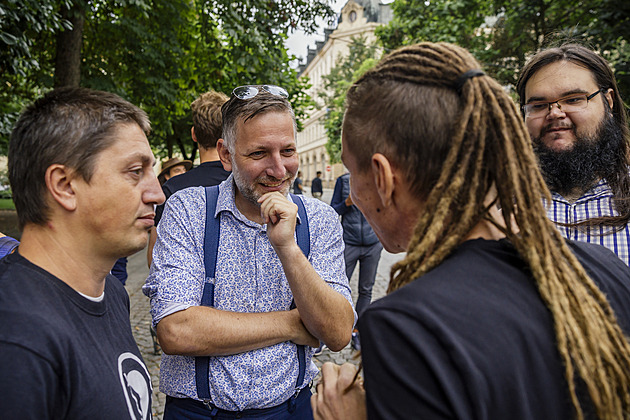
column 141, row 320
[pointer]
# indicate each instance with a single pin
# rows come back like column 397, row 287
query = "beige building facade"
column 358, row 18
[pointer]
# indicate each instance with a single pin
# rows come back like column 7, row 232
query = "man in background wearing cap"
column 172, row 167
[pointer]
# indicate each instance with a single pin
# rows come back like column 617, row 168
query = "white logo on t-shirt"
column 136, row 384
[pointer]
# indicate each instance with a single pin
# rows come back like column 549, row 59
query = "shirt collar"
column 600, row 189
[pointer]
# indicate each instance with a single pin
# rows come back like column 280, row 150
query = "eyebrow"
column 145, row 159
column 564, row 94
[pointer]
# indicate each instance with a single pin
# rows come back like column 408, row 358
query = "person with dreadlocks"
column 484, row 319
column 578, row 124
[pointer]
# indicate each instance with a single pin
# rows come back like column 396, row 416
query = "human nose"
column 154, row 193
column 276, row 168
column 555, row 112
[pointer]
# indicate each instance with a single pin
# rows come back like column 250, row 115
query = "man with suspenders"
column 246, row 279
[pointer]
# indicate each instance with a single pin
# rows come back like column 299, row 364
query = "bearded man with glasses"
column 247, row 280
column 578, row 124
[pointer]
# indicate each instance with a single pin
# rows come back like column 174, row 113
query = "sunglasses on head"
column 250, row 91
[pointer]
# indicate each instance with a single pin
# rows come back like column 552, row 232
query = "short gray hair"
column 245, row 109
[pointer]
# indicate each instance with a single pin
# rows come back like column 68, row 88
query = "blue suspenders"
column 211, row 248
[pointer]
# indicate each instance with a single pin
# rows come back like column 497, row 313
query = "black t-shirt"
column 472, row 339
column 207, row 174
column 63, row 356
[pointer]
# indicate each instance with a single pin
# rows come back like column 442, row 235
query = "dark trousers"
column 368, row 256
column 296, row 408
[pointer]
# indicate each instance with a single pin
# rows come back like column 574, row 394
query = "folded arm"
column 206, row 331
column 325, row 312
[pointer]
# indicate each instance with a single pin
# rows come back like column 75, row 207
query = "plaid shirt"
column 598, row 201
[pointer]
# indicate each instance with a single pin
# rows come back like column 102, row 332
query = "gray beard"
column 247, row 190
column 589, row 160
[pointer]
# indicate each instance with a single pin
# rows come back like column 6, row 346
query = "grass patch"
column 6, row 204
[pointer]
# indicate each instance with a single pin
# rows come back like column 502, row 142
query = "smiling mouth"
column 273, row 184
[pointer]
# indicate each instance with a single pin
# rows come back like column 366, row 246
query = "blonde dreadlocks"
column 457, row 139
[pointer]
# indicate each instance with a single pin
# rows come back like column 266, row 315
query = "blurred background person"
column 361, row 246
column 316, row 186
column 173, row 167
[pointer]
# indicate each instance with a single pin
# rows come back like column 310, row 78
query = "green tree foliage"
column 502, row 34
column 159, row 54
column 22, row 22
column 347, row 70
column 454, row 21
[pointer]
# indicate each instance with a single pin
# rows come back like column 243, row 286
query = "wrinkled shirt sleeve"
column 177, row 273
column 327, row 248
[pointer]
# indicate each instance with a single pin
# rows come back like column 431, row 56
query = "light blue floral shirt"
column 598, row 201
column 249, row 278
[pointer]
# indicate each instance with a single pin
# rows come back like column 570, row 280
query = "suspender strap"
column 304, row 242
column 301, row 229
column 213, row 228
column 211, row 248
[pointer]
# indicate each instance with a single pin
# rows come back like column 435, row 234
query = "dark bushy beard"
column 589, row 160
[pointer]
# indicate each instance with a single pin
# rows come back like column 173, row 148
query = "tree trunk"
column 68, row 58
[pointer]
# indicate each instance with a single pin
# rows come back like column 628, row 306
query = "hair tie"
column 461, row 80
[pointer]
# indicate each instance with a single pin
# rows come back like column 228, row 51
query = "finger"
column 268, row 211
column 329, row 371
column 347, row 373
column 273, row 207
column 319, row 405
column 314, row 406
column 266, row 203
column 318, row 387
column 329, row 378
column 270, row 195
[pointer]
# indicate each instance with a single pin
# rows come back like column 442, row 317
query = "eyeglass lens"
column 250, row 91
column 570, row 103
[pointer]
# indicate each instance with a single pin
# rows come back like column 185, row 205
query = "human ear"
column 192, row 134
column 383, row 178
column 59, row 184
column 609, row 98
column 224, row 155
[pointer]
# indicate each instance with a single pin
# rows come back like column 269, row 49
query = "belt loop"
column 213, row 408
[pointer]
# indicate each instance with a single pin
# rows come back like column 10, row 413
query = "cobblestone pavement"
column 141, row 319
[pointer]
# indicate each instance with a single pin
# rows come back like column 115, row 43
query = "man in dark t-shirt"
column 492, row 314
column 65, row 338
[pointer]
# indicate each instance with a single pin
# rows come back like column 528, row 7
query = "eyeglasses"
column 250, row 91
column 569, row 103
